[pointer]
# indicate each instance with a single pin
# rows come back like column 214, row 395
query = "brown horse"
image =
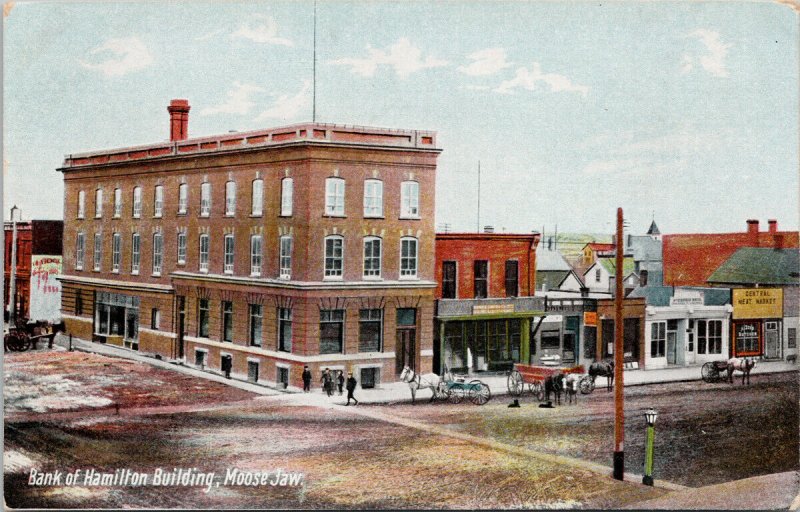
column 603, row 369
column 740, row 365
column 554, row 384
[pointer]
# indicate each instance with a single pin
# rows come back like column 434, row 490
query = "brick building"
column 257, row 253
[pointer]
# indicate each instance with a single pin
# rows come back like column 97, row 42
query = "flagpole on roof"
column 314, row 74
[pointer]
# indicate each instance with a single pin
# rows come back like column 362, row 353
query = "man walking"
column 351, row 387
column 306, row 379
column 327, row 382
column 340, row 381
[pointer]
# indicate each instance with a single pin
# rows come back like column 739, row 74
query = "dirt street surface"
column 351, row 461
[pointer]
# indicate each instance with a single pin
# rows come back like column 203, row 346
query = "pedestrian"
column 327, row 382
column 351, row 387
column 340, row 381
column 306, row 379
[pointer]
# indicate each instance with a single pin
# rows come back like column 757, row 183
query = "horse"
column 603, row 369
column 740, row 365
column 554, row 384
column 416, row 381
column 571, row 388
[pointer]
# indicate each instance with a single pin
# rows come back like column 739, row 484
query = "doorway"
column 406, row 339
column 772, row 340
column 672, row 341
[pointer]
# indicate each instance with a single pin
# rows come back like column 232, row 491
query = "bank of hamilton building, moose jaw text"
column 257, row 253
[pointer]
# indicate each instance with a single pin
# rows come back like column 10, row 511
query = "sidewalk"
column 394, row 392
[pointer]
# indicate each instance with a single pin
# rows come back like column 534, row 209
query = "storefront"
column 485, row 344
column 758, row 322
column 116, row 319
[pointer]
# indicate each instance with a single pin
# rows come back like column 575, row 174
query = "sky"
column 686, row 113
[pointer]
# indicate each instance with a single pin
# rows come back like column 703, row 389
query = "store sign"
column 590, row 318
column 757, row 303
column 554, row 318
column 45, row 301
column 489, row 309
column 746, row 338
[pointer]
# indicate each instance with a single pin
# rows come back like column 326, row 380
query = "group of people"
column 329, row 381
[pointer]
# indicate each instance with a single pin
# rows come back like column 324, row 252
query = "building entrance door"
column 405, row 349
column 689, row 352
column 672, row 347
column 772, row 346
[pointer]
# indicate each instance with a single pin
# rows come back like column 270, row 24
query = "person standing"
column 340, row 381
column 351, row 387
column 327, row 382
column 306, row 379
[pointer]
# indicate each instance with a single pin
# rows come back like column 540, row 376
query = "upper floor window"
column 597, row 276
column 80, row 243
column 98, row 250
column 203, row 258
column 228, row 268
column 137, row 202
column 255, row 255
column 135, row 253
column 98, row 203
column 448, row 279
column 287, row 191
column 205, row 199
column 81, row 204
column 158, row 201
column 258, row 197
column 408, row 258
column 373, row 198
column 334, row 256
column 512, row 278
column 183, row 198
column 286, row 257
column 117, row 202
column 158, row 247
column 230, row 198
column 480, row 278
column 116, row 248
column 409, row 199
column 181, row 247
column 372, row 257
column 334, row 196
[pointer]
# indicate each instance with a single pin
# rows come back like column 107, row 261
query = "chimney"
column 752, row 230
column 178, row 119
column 773, row 226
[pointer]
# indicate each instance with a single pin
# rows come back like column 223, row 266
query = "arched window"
column 334, row 197
column 409, row 199
column 287, row 191
column 98, row 203
column 81, row 204
column 372, row 257
column 408, row 258
column 204, row 246
column 286, row 257
column 373, row 198
column 137, row 202
column 183, row 198
column 255, row 255
column 205, row 199
column 158, row 201
column 334, row 256
column 257, row 197
column 230, row 198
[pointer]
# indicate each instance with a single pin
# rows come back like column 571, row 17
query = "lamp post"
column 650, row 415
column 12, row 280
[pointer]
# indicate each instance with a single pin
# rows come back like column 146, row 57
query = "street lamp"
column 650, row 416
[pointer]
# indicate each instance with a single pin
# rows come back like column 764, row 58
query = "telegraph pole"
column 12, row 281
column 479, row 196
column 619, row 397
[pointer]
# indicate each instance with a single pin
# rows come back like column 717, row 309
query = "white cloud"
column 266, row 32
column 286, row 107
column 404, row 57
column 527, row 79
column 127, row 54
column 238, row 101
column 486, row 62
column 210, row 35
column 714, row 60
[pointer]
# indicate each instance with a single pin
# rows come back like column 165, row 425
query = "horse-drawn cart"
column 535, row 376
column 714, row 371
column 457, row 388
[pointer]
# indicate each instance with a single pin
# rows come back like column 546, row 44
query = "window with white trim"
column 203, row 259
column 183, row 198
column 117, row 203
column 285, row 263
column 255, row 255
column 256, row 320
column 98, row 250
column 373, row 198
column 287, row 193
column 658, row 339
column 136, row 253
column 228, row 268
column 331, row 331
column 98, row 203
column 372, row 257
column 257, row 197
column 116, row 247
column 230, row 198
column 370, row 330
column 334, row 196
column 409, row 199
column 80, row 243
column 408, row 257
column 137, row 202
column 205, row 199
column 334, row 256
column 181, row 247
column 158, row 201
column 158, row 247
column 81, row 204
column 284, row 329
column 709, row 336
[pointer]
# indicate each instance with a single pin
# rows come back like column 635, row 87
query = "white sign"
column 686, row 301
column 554, row 318
column 45, row 302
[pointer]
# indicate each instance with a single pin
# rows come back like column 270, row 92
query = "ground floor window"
column 202, row 318
column 118, row 315
column 284, row 329
column 746, row 338
column 709, row 336
column 482, row 344
column 252, row 371
column 227, row 321
column 590, row 342
column 791, row 338
column 369, row 377
column 331, row 331
column 370, row 330
column 200, row 358
column 255, row 324
column 283, row 375
column 658, row 339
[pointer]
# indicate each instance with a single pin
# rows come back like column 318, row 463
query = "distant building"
column 39, row 246
column 594, row 250
column 601, row 276
column 554, row 273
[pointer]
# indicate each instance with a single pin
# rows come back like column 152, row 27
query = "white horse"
column 743, row 365
column 416, row 381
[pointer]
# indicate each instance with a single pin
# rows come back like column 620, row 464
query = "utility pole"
column 314, row 76
column 479, row 196
column 619, row 384
column 12, row 284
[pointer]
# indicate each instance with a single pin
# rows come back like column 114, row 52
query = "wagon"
column 456, row 388
column 534, row 377
column 714, row 371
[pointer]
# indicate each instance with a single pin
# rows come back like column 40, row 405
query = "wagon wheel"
column 515, row 384
column 456, row 395
column 444, row 392
column 587, row 385
column 537, row 390
column 479, row 392
column 709, row 372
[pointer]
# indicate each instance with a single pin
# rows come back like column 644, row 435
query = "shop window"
column 118, row 315
column 658, row 339
column 331, row 329
column 481, row 273
column 709, row 336
column 590, row 343
column 448, row 279
column 550, row 340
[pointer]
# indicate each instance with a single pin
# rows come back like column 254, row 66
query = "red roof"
column 596, row 246
column 689, row 260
